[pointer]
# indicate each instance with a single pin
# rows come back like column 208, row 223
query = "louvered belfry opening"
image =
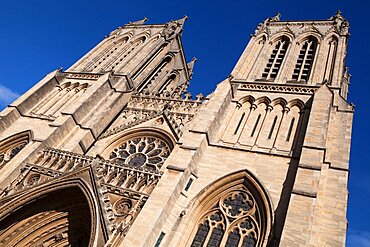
column 305, row 60
column 276, row 59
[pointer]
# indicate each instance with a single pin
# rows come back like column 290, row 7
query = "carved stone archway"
column 12, row 145
column 59, row 218
column 62, row 212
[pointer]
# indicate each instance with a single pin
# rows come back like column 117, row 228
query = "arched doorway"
column 59, row 218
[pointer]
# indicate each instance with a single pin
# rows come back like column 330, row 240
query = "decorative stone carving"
column 33, row 180
column 131, row 180
column 58, row 237
column 144, row 108
column 122, row 207
column 341, row 23
column 139, row 22
column 347, row 75
column 278, row 88
column 237, row 203
column 171, row 30
column 11, row 146
column 7, row 155
column 83, row 76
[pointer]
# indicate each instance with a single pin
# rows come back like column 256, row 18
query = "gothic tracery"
column 234, row 220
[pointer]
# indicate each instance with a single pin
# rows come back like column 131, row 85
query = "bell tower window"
column 305, row 60
column 276, row 59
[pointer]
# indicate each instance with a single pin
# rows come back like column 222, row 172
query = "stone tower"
column 115, row 152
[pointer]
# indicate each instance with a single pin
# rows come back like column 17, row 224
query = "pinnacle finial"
column 182, row 21
column 276, row 17
column 173, row 28
column 191, row 65
column 338, row 16
column 341, row 23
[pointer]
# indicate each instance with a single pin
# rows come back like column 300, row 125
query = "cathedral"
column 114, row 151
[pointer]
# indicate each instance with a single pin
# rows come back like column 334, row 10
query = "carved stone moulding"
column 122, row 209
column 85, row 76
column 277, row 88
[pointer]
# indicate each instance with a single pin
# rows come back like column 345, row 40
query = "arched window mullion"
column 155, row 73
column 90, row 65
column 11, row 146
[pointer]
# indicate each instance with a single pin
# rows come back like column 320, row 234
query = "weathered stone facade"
column 115, row 152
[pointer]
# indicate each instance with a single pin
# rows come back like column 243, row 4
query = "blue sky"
column 40, row 36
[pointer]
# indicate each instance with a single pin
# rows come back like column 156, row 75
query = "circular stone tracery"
column 149, row 152
column 237, row 203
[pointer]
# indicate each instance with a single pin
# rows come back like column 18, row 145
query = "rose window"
column 147, row 152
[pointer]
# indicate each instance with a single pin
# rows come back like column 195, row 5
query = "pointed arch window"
column 234, row 220
column 59, row 99
column 108, row 51
column 305, row 60
column 12, row 145
column 330, row 60
column 118, row 56
column 155, row 74
column 276, row 59
column 168, row 86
